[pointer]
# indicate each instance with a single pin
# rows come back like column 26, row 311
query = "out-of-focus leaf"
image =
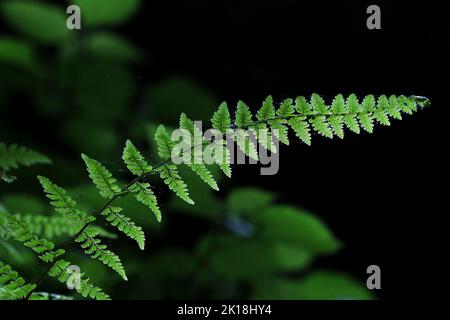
column 79, row 132
column 297, row 227
column 112, row 47
column 8, row 250
column 251, row 260
column 18, row 53
column 49, row 296
column 168, row 99
column 25, row 204
column 248, row 199
column 42, row 22
column 100, row 90
column 319, row 285
column 15, row 253
column 106, row 12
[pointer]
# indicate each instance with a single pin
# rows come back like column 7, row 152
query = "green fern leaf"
column 12, row 286
column 221, row 119
column 222, row 157
column 165, row 144
column 146, row 196
column 351, row 122
column 286, row 108
column 62, row 203
column 124, row 224
column 134, row 160
column 202, row 171
column 366, row 122
column 301, row 129
column 267, row 111
column 14, row 156
column 353, row 105
column 59, row 270
column 337, row 124
column 321, row 125
column 394, row 108
column 247, row 146
column 381, row 114
column 52, row 227
column 195, row 162
column 369, row 103
column 280, row 131
column 44, row 248
column 338, row 105
column 302, row 106
column 407, row 106
column 243, row 117
column 169, row 174
column 318, row 104
column 101, row 177
column 93, row 247
column 265, row 138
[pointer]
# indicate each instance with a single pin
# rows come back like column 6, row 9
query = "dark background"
column 372, row 190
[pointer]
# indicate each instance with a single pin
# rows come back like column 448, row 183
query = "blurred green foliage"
column 82, row 88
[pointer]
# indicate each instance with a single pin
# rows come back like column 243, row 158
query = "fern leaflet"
column 124, row 224
column 93, row 247
column 102, row 178
column 12, row 286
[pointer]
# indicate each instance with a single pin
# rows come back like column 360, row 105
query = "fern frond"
column 102, row 178
column 12, row 286
column 93, row 247
column 138, row 166
column 147, row 197
column 301, row 129
column 169, row 174
column 286, row 108
column 267, row 111
column 164, row 143
column 123, row 223
column 52, row 227
column 13, row 156
column 196, row 157
column 63, row 203
column 318, row 104
column 244, row 143
column 44, row 248
column 243, row 117
column 46, row 251
column 221, row 119
column 302, row 106
column 60, row 271
column 222, row 157
column 134, row 160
